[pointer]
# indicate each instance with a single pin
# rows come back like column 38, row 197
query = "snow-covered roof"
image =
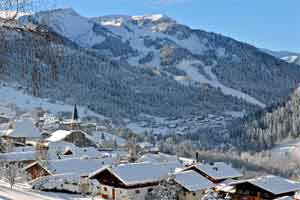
column 139, row 173
column 60, row 135
column 273, row 184
column 24, row 128
column 218, row 170
column 79, row 166
column 158, row 158
column 89, row 152
column 98, row 136
column 145, row 145
column 193, row 181
column 60, row 145
column 187, row 161
column 18, row 156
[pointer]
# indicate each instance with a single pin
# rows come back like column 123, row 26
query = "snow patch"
column 11, row 97
column 191, row 70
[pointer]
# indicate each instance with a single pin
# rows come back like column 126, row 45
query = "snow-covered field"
column 11, row 97
column 22, row 192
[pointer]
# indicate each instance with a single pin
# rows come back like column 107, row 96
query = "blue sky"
column 273, row 24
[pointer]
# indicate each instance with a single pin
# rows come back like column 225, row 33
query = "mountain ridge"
column 152, row 75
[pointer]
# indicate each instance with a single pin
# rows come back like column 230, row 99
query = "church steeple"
column 75, row 116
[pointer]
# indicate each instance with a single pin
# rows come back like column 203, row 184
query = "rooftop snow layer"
column 193, row 181
column 58, row 135
column 219, row 170
column 138, row 173
column 80, row 166
column 275, row 184
column 18, row 156
column 158, row 158
column 24, row 128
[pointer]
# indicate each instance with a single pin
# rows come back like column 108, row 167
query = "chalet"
column 267, row 187
column 76, row 166
column 21, row 131
column 131, row 181
column 77, row 137
column 216, row 172
column 193, row 185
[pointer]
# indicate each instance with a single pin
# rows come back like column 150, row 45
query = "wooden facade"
column 216, row 181
column 252, row 192
column 36, row 171
column 113, row 188
column 107, row 178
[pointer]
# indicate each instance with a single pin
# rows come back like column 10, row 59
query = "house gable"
column 35, row 170
column 251, row 190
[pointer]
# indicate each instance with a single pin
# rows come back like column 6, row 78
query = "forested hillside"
column 271, row 126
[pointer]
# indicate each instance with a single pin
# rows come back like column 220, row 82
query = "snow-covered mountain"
column 149, row 72
column 290, row 57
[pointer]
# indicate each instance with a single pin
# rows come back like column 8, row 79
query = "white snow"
column 70, row 24
column 58, row 135
column 230, row 91
column 18, row 156
column 97, row 135
column 154, row 17
column 12, row 14
column 158, row 158
column 151, row 30
column 290, row 59
column 274, row 184
column 193, row 181
column 211, row 79
column 218, row 170
column 23, row 192
column 137, row 173
column 77, row 166
column 23, row 128
column 139, row 129
column 10, row 96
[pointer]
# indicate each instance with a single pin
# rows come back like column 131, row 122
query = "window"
column 150, row 189
column 194, row 194
column 105, row 188
column 137, row 191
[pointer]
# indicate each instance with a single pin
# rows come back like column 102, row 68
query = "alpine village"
column 142, row 108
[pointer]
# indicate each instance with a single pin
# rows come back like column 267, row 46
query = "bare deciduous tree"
column 12, row 173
